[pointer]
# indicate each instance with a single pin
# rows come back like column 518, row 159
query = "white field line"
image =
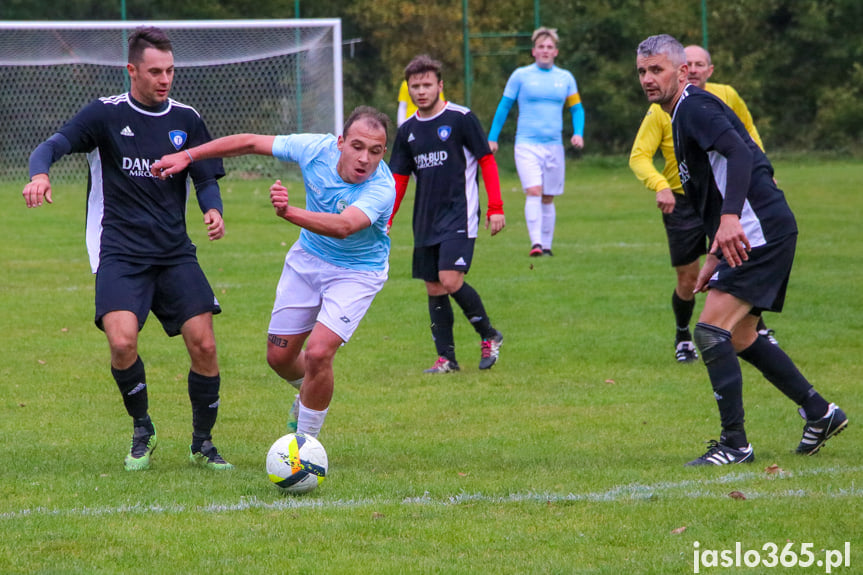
column 688, row 488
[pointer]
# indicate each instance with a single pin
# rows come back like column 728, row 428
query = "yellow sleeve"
column 730, row 96
column 404, row 96
column 654, row 135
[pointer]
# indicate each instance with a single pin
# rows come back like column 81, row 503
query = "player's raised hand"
column 279, row 198
column 170, row 165
column 38, row 189
column 215, row 224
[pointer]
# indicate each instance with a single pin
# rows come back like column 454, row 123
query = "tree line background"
column 797, row 63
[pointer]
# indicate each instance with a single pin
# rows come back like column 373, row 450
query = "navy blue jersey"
column 700, row 119
column 442, row 151
column 132, row 215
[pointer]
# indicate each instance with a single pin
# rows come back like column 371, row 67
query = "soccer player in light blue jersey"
column 542, row 91
column 341, row 259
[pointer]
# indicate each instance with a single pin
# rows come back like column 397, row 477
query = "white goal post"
column 259, row 76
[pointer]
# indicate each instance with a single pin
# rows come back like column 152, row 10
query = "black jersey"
column 442, row 151
column 699, row 120
column 132, row 215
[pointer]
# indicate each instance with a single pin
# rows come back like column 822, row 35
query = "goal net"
column 259, row 76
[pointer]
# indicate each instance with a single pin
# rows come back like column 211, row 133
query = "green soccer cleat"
column 209, row 457
column 143, row 445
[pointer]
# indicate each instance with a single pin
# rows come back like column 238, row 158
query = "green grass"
column 565, row 458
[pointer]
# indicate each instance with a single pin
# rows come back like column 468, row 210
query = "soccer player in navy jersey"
column 340, row 262
column 136, row 235
column 687, row 241
column 753, row 235
column 442, row 145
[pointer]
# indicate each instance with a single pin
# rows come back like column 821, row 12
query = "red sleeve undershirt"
column 401, row 190
column 492, row 184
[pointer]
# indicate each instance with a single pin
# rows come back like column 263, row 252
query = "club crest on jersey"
column 178, row 138
column 341, row 205
column 444, row 133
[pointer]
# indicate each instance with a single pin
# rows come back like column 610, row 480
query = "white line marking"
column 689, row 488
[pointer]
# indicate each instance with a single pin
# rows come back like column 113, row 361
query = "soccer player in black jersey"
column 753, row 235
column 442, row 144
column 136, row 235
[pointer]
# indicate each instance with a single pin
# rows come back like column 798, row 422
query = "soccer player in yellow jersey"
column 687, row 241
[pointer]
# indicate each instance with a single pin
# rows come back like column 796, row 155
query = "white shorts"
column 541, row 165
column 312, row 290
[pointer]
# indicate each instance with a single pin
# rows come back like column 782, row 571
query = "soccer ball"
column 297, row 463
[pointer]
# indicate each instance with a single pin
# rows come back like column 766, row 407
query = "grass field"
column 567, row 457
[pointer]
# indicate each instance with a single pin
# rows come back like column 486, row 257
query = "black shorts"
column 763, row 278
column 175, row 293
column 685, row 231
column 454, row 255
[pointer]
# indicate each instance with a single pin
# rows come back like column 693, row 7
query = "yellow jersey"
column 655, row 134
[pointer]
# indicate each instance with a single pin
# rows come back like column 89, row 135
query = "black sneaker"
column 547, row 252
column 443, row 365
column 718, row 454
column 816, row 433
column 490, row 350
column 143, row 446
column 209, row 457
column 769, row 334
column 685, row 352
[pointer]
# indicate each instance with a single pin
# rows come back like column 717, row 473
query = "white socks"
column 533, row 210
column 549, row 215
column 310, row 421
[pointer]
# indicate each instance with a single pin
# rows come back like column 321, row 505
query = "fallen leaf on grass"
column 42, row 362
column 610, row 381
column 679, row 530
column 377, row 515
column 736, row 495
column 771, row 469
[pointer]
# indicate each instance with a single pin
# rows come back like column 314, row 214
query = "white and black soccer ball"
column 297, row 463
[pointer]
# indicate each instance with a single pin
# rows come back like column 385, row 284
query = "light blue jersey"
column 326, row 192
column 542, row 94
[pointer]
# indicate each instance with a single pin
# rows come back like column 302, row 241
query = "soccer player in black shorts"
column 443, row 144
column 753, row 235
column 136, row 235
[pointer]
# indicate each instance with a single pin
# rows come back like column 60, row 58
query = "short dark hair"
column 370, row 115
column 662, row 44
column 147, row 37
column 422, row 64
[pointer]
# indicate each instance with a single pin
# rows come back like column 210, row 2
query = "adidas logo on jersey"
column 127, row 131
column 411, row 137
column 460, row 262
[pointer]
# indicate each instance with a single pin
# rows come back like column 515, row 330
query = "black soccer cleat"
column 718, row 454
column 685, row 352
column 816, row 433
